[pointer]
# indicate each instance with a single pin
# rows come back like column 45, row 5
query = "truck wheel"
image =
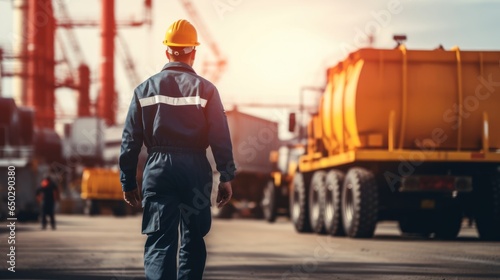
column 226, row 212
column 415, row 225
column 448, row 222
column 120, row 208
column 316, row 206
column 299, row 211
column 487, row 206
column 92, row 207
column 332, row 191
column 269, row 202
column 359, row 203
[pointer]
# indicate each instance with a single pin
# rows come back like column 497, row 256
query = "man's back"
column 173, row 103
column 176, row 108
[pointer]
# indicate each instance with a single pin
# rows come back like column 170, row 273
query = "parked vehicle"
column 26, row 152
column 253, row 140
column 405, row 135
column 275, row 200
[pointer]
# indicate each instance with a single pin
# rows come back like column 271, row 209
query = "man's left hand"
column 133, row 198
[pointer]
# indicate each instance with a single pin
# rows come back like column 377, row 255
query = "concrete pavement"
column 111, row 248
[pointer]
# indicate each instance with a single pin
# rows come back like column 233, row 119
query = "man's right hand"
column 224, row 193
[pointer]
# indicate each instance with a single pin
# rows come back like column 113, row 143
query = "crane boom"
column 70, row 33
column 220, row 63
column 129, row 65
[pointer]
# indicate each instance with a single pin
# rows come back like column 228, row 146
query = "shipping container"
column 253, row 140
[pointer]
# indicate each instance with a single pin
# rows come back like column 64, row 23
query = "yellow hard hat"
column 181, row 34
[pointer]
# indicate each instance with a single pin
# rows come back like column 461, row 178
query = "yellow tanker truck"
column 405, row 135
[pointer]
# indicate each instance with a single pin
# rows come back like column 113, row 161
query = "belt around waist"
column 168, row 149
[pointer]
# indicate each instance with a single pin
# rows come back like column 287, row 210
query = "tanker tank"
column 405, row 135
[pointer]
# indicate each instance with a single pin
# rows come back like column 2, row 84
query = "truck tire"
column 120, row 208
column 359, row 203
column 332, row 196
column 487, row 207
column 316, row 206
column 415, row 225
column 448, row 221
column 299, row 211
column 448, row 225
column 226, row 212
column 269, row 202
column 257, row 211
column 92, row 207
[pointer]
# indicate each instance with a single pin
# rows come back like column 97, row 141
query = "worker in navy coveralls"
column 177, row 115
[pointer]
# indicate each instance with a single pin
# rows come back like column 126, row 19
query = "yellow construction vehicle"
column 405, row 135
column 101, row 188
column 275, row 201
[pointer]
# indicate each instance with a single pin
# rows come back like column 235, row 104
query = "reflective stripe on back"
column 174, row 101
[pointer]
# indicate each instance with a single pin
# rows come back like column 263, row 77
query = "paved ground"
column 111, row 248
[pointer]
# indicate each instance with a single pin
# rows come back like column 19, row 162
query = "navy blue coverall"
column 177, row 115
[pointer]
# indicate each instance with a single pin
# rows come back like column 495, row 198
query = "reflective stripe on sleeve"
column 174, row 101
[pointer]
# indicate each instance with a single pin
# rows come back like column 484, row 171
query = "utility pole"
column 19, row 46
column 41, row 62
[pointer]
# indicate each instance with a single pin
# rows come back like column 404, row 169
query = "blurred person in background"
column 47, row 195
column 177, row 115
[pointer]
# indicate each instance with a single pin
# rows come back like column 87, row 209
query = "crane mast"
column 107, row 98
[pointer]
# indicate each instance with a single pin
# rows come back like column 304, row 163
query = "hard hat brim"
column 180, row 45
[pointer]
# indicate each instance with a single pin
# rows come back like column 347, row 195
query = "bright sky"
column 274, row 47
